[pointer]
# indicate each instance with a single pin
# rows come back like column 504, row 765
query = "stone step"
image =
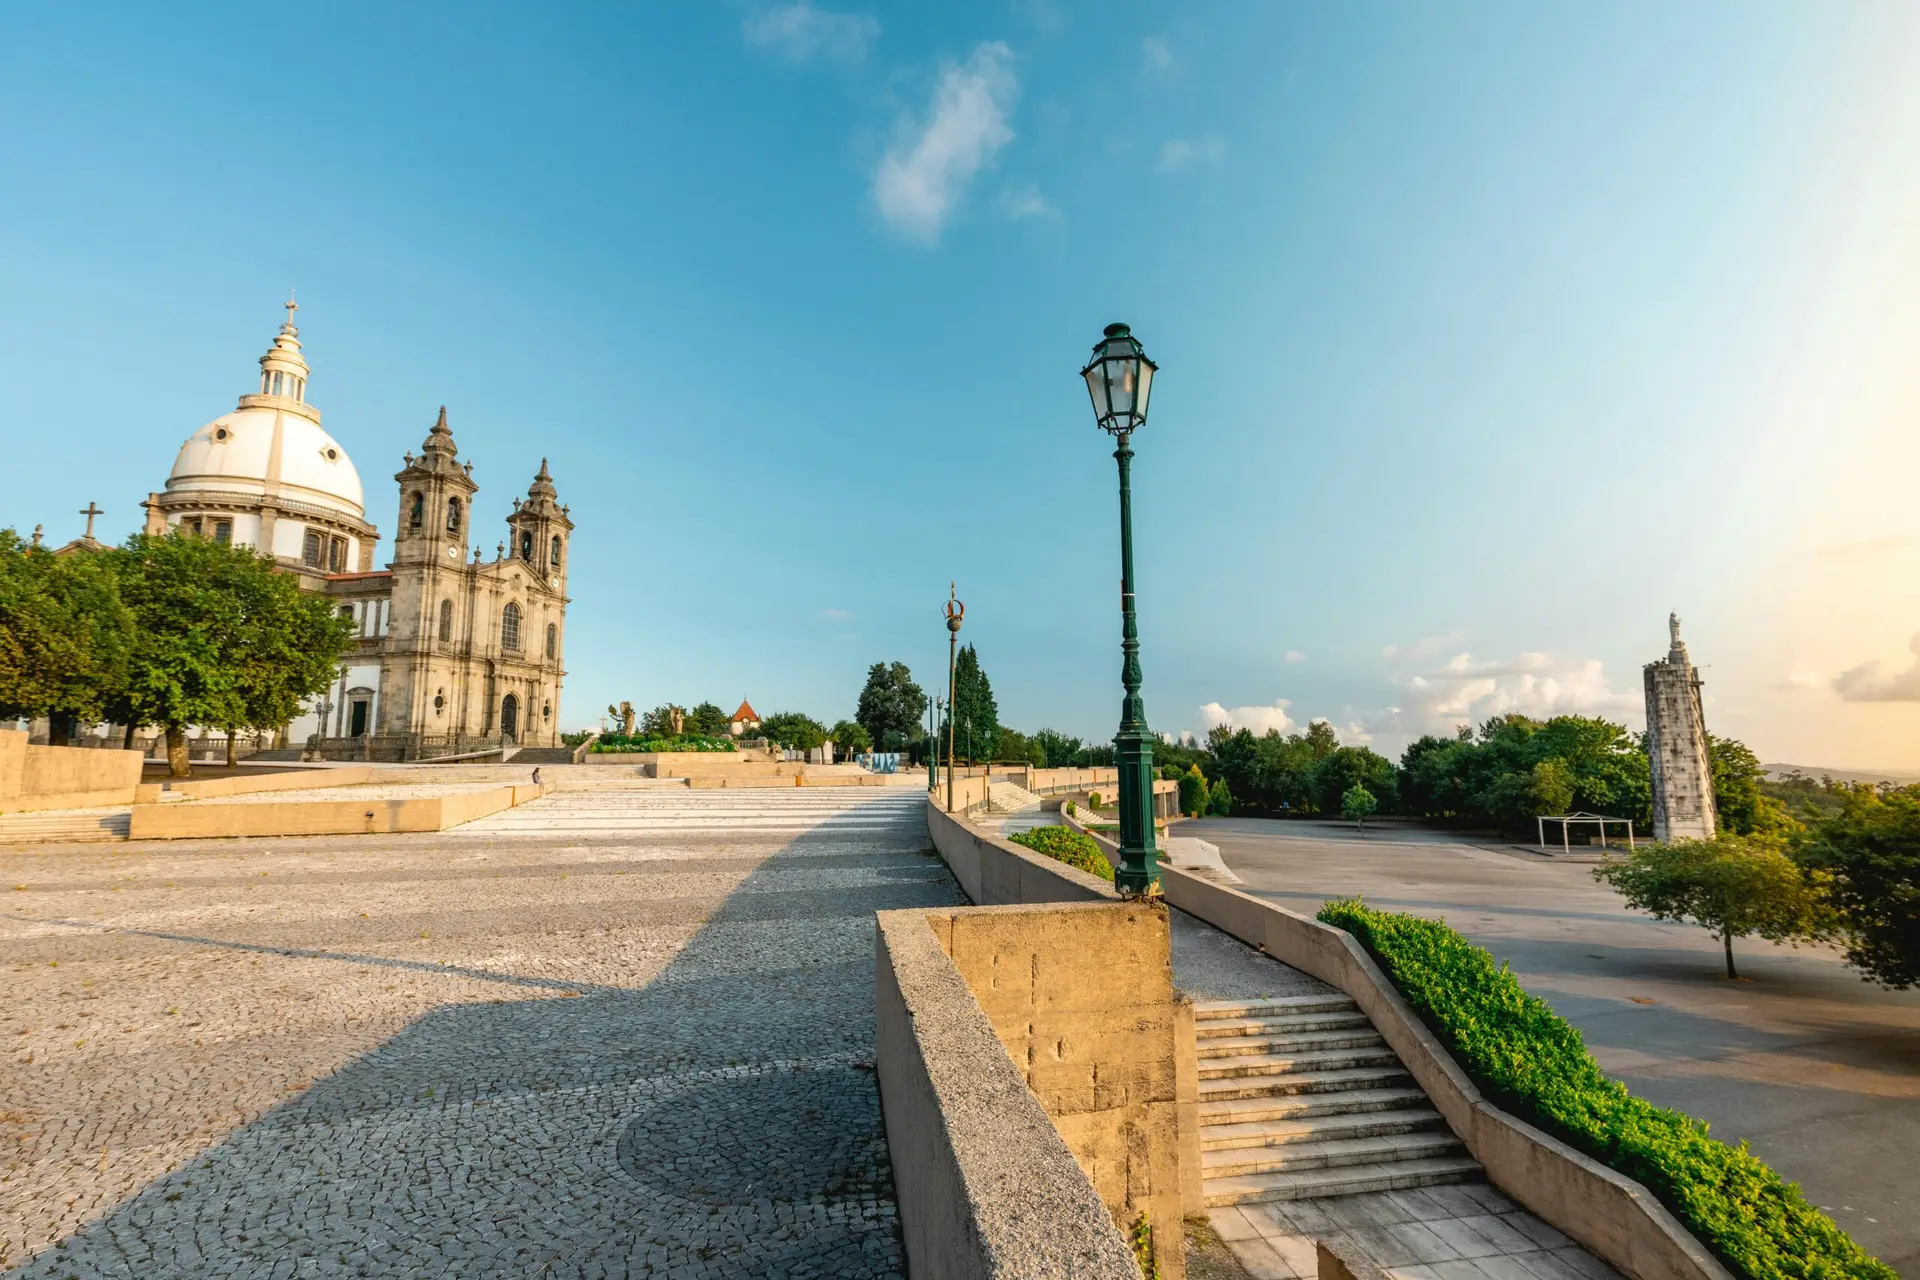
column 1226, row 1028
column 543, row 755
column 1347, row 1180
column 1271, row 1006
column 65, row 826
column 1334, row 1153
column 1274, row 1064
column 1269, row 1107
column 1318, row 1128
column 1302, row 1082
column 1360, row 1037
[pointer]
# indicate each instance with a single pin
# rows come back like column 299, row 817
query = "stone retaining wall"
column 1610, row 1214
column 199, row 819
column 35, row 778
column 995, row 872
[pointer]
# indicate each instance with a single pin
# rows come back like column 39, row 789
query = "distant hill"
column 1841, row 775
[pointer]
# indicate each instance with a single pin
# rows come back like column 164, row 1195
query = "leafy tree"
column 1014, row 747
column 1056, row 748
column 204, row 646
column 1220, row 799
column 793, row 729
column 1355, row 804
column 668, row 720
column 1321, row 739
column 1732, row 885
column 1871, row 851
column 850, row 737
column 64, row 635
column 891, row 705
column 1344, row 768
column 975, row 716
column 708, row 721
column 1193, row 791
column 1742, row 806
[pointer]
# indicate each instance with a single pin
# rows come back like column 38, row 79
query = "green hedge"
column 1064, row 844
column 644, row 742
column 1532, row 1062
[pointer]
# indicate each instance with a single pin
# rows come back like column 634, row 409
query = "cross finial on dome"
column 291, row 307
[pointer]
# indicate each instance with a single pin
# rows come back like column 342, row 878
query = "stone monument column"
column 1683, row 807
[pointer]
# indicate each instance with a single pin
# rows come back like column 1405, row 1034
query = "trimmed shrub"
column 1193, row 792
column 1064, row 844
column 652, row 742
column 1532, row 1062
column 1220, row 799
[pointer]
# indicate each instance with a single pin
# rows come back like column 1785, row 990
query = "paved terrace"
column 612, row 1033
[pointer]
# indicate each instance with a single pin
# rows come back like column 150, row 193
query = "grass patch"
column 1064, row 844
column 1533, row 1062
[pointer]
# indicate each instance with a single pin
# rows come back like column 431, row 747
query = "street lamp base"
column 1139, row 869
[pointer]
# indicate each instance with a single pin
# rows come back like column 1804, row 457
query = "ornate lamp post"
column 1119, row 378
column 956, row 611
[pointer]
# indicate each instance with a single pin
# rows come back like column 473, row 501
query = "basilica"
column 452, row 651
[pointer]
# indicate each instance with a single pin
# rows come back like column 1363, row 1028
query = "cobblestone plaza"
column 613, row 1033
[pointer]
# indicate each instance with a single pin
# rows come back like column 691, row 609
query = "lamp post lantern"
column 1120, row 378
column 956, row 611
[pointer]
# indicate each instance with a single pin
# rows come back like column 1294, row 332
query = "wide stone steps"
column 1232, row 1028
column 1301, row 1098
column 59, row 826
column 1326, row 1127
column 1332, row 1154
column 1275, row 1064
column 1232, row 1112
column 1361, row 1037
column 1348, row 1180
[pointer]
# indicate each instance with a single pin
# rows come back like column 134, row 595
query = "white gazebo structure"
column 1570, row 818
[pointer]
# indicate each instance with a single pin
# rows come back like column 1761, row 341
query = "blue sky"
column 1488, row 334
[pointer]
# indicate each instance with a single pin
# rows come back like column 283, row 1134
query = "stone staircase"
column 1010, row 798
column 542, row 755
column 1300, row 1098
column 60, row 826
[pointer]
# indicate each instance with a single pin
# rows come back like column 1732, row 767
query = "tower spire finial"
column 291, row 307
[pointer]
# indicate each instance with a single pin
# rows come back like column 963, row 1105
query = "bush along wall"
column 1533, row 1063
column 1064, row 844
column 646, row 742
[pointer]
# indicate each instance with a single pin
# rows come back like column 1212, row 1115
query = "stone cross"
column 291, row 307
column 92, row 510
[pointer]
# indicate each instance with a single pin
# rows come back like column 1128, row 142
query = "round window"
column 439, row 703
column 221, row 433
column 333, row 455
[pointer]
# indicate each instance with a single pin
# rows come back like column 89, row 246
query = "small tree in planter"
column 1733, row 885
column 1355, row 804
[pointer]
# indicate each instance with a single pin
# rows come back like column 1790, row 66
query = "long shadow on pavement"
column 720, row 1120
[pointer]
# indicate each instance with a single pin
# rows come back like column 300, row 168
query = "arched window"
column 418, row 515
column 526, row 546
column 446, row 619
column 554, row 560
column 453, row 515
column 553, row 640
column 510, row 627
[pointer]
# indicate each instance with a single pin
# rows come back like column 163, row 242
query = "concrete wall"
column 996, row 872
column 985, row 1183
column 34, row 778
column 1612, row 1215
column 1081, row 996
column 201, row 820
column 248, row 784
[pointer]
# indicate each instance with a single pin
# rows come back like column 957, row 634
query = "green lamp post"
column 1120, row 378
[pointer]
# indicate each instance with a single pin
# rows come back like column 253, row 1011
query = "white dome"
column 272, row 452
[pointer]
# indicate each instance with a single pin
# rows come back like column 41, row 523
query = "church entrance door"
column 357, row 718
column 510, row 719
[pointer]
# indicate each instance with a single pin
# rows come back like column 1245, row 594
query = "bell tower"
column 538, row 531
column 430, row 616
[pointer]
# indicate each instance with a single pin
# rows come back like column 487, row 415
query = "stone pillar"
column 1683, row 807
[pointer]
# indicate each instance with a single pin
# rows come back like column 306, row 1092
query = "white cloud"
column 836, row 615
column 801, row 33
column 1043, row 15
column 1025, row 202
column 1871, row 682
column 1157, row 54
column 922, row 176
column 1294, row 655
column 1426, row 647
column 1258, row 719
column 1531, row 684
column 1178, row 154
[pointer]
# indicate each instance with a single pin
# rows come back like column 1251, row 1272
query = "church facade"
column 451, row 649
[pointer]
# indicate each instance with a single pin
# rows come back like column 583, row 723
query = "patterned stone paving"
column 585, row 1048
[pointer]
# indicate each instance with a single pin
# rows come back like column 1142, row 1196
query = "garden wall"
column 33, row 777
column 1612, row 1215
column 996, row 872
